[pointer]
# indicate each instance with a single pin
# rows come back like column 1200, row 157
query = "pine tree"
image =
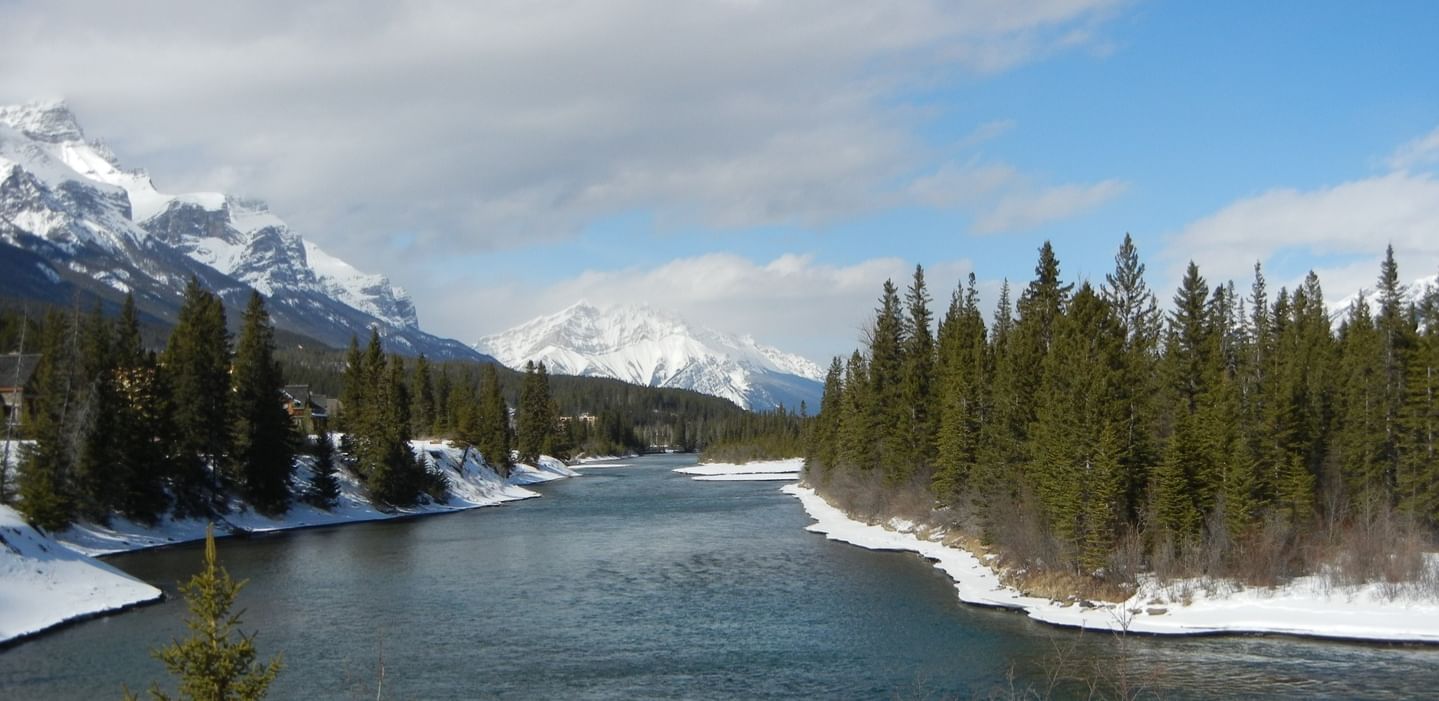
column 197, row 370
column 1136, row 309
column 324, row 487
column 1359, row 441
column 95, row 421
column 217, row 662
column 493, row 439
column 856, row 431
column 1396, row 336
column 917, row 393
column 352, row 399
column 823, row 448
column 264, row 437
column 422, row 389
column 962, row 369
column 45, row 482
column 535, row 418
column 142, row 427
column 1418, row 468
column 887, row 414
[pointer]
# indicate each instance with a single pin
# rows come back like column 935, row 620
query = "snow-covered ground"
column 1306, row 606
column 44, row 584
column 746, row 472
column 46, row 580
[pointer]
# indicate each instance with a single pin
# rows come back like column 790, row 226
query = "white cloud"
column 1351, row 222
column 1421, row 152
column 1026, row 209
column 473, row 126
column 792, row 302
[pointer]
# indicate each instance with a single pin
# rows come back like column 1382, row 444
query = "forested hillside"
column 1081, row 429
column 140, row 419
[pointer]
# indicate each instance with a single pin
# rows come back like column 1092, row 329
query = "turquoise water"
column 634, row 582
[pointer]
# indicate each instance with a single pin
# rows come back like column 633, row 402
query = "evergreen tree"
column 197, row 369
column 917, row 414
column 1396, row 337
column 962, row 369
column 1360, row 438
column 887, row 414
column 352, row 398
column 493, row 440
column 142, row 427
column 217, row 662
column 1418, row 468
column 1136, row 310
column 856, row 432
column 422, row 390
column 823, row 447
column 45, row 482
column 95, row 421
column 535, row 419
column 324, row 487
column 264, row 437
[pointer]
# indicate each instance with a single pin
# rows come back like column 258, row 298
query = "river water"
column 635, row 582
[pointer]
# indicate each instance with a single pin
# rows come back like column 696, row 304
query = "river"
column 635, row 582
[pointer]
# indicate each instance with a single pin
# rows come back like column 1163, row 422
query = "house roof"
column 25, row 364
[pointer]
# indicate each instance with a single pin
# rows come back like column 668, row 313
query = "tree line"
column 1080, row 421
column 201, row 426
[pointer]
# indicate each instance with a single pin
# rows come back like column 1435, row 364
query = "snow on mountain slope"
column 1413, row 292
column 645, row 346
column 240, row 238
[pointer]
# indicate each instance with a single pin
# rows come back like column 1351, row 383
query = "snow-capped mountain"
column 1413, row 292
column 74, row 218
column 645, row 346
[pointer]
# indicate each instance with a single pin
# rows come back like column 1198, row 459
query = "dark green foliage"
column 1063, row 430
column 46, row 480
column 422, row 392
column 217, row 662
column 535, row 417
column 264, row 437
column 196, row 367
column 324, row 486
column 493, row 435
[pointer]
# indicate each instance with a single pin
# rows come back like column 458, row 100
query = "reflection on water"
column 638, row 583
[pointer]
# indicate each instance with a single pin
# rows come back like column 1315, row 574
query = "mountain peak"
column 645, row 345
column 43, row 120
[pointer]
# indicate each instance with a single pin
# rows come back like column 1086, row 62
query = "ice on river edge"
column 1306, row 606
column 759, row 471
column 48, row 580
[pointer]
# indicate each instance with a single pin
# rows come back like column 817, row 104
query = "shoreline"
column 57, row 580
column 1305, row 607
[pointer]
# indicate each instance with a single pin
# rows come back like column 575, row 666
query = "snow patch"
column 1305, row 607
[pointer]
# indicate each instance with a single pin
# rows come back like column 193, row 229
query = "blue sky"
column 763, row 167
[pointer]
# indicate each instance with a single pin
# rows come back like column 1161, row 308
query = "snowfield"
column 769, row 470
column 44, row 584
column 47, row 580
column 1306, row 606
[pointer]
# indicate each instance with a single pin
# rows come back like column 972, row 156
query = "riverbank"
column 1306, row 606
column 49, row 580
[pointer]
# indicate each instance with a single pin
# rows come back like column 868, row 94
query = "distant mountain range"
column 646, row 346
column 73, row 220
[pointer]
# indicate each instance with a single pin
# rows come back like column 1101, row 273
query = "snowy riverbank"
column 758, row 471
column 48, row 580
column 1306, row 606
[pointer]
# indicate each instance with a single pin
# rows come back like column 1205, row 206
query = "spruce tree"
column 962, row 369
column 46, row 481
column 197, row 371
column 1359, row 441
column 535, row 418
column 918, row 410
column 95, row 421
column 422, row 391
column 324, row 487
column 889, row 417
column 1418, row 469
column 823, row 448
column 217, row 662
column 142, row 426
column 856, row 431
column 493, row 440
column 264, row 436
